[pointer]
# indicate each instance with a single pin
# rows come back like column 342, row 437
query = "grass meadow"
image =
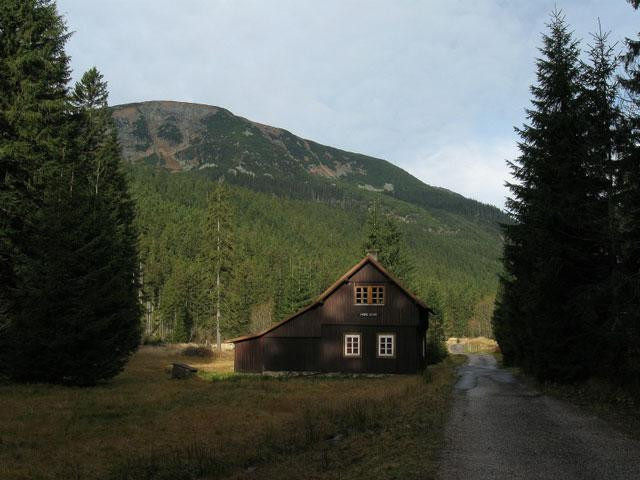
column 143, row 425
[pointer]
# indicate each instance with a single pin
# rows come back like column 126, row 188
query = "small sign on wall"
column 368, row 314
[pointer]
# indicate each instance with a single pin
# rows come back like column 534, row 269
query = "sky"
column 435, row 87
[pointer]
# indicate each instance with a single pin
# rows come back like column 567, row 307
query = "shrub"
column 151, row 340
column 427, row 376
column 436, row 351
column 198, row 351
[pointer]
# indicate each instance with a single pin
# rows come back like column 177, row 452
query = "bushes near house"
column 202, row 351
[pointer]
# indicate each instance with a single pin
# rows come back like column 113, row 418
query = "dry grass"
column 143, row 425
column 474, row 345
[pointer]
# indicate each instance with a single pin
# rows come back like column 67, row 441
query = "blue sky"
column 435, row 87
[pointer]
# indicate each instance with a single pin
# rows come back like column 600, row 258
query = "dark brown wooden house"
column 365, row 322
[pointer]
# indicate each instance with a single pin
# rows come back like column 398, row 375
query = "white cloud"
column 476, row 170
column 397, row 79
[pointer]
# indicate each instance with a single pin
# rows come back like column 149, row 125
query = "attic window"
column 369, row 295
column 352, row 345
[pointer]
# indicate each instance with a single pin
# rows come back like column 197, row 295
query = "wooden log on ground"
column 182, row 370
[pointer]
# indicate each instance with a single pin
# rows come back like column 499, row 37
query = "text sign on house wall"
column 368, row 314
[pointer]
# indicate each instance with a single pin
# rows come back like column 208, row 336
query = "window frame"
column 369, row 294
column 357, row 335
column 393, row 345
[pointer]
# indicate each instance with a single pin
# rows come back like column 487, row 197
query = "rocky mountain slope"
column 211, row 140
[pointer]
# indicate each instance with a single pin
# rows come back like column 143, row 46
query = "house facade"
column 366, row 322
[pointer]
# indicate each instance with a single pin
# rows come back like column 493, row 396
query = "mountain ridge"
column 183, row 136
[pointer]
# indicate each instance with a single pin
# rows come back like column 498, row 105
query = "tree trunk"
column 218, row 341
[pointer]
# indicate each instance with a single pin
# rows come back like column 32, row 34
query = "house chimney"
column 373, row 253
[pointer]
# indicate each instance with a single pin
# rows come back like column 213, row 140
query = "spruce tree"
column 436, row 338
column 602, row 167
column 297, row 289
column 78, row 315
column 373, row 229
column 218, row 249
column 384, row 236
column 242, row 295
column 280, row 308
column 539, row 321
column 34, row 73
column 626, row 336
column 394, row 252
column 68, row 249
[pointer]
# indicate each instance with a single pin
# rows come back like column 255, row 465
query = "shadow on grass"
column 238, row 377
column 314, row 424
column 186, row 463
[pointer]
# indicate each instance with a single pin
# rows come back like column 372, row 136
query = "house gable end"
column 338, row 300
column 368, row 273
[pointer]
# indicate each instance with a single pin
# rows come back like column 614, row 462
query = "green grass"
column 143, row 425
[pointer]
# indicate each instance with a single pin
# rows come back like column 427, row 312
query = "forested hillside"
column 299, row 222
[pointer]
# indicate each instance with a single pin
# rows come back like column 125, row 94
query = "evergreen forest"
column 569, row 301
column 283, row 251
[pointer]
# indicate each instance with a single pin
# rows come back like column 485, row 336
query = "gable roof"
column 338, row 283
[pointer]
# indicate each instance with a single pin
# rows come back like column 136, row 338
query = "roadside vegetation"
column 612, row 402
column 142, row 425
column 617, row 405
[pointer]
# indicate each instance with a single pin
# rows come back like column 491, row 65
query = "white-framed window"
column 352, row 345
column 387, row 345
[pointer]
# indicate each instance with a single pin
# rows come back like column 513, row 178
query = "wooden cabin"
column 365, row 322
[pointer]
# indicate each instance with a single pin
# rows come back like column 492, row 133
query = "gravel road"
column 502, row 429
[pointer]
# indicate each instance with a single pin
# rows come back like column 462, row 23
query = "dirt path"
column 502, row 429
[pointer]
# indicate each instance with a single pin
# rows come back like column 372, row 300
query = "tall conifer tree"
column 383, row 235
column 298, row 292
column 242, row 292
column 539, row 322
column 627, row 333
column 78, row 319
column 34, row 73
column 67, row 237
column 218, row 251
column 602, row 167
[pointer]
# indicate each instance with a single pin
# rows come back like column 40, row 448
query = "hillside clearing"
column 143, row 425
